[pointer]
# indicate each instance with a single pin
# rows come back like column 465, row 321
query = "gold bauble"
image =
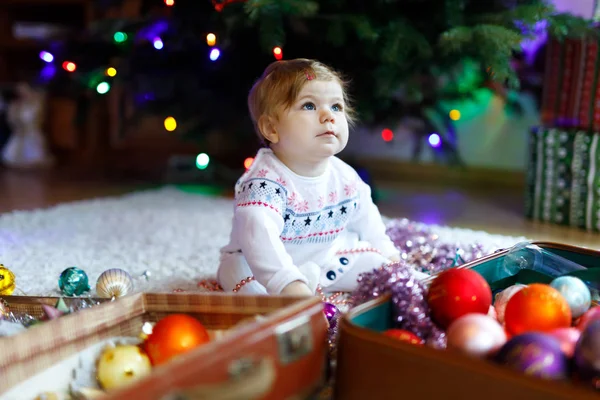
column 7, row 281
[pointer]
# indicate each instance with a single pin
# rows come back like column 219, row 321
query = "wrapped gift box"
column 281, row 339
column 371, row 365
column 563, row 177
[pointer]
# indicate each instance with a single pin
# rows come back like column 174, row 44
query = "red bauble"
column 457, row 292
column 404, row 336
column 536, row 308
column 174, row 335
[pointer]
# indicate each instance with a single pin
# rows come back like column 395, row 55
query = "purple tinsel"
column 422, row 248
column 409, row 299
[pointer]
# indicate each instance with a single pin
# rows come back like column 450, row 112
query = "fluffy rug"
column 167, row 239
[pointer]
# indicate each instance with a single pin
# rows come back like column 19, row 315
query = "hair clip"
column 309, row 76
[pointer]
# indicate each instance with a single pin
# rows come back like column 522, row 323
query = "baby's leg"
column 234, row 275
column 341, row 273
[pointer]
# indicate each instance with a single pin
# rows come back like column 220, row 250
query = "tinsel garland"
column 423, row 249
column 409, row 300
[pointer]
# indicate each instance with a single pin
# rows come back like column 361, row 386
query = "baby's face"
column 315, row 126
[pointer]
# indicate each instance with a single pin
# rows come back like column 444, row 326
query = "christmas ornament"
column 7, row 281
column 174, row 335
column 590, row 315
column 114, row 283
column 403, row 336
column 476, row 335
column 457, row 292
column 576, row 293
column 408, row 296
column 146, row 275
column 501, row 299
column 51, row 312
column 61, row 305
column 4, row 310
column 534, row 354
column 73, row 282
column 330, row 311
column 120, row 365
column 586, row 357
column 538, row 307
column 567, row 337
column 422, row 248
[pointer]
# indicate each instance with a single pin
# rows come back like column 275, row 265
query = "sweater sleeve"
column 369, row 224
column 258, row 229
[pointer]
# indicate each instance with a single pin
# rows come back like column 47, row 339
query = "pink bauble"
column 590, row 315
column 501, row 299
column 567, row 337
column 476, row 334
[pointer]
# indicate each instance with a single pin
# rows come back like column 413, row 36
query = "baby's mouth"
column 328, row 133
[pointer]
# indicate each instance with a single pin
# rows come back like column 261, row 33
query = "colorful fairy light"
column 170, row 124
column 211, row 39
column 387, row 135
column 69, row 66
column 434, row 140
column 120, row 37
column 103, row 87
column 202, row 161
column 214, row 54
column 47, row 57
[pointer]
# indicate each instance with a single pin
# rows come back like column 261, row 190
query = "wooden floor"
column 499, row 211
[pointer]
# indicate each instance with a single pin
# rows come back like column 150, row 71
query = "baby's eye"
column 337, row 107
column 309, row 106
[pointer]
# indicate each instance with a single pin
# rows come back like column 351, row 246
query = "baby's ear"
column 266, row 125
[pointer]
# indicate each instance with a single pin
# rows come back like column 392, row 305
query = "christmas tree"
column 193, row 61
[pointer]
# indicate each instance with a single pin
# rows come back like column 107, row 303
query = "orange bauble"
column 174, row 335
column 538, row 307
column 404, row 336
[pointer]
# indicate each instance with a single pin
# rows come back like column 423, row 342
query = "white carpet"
column 173, row 234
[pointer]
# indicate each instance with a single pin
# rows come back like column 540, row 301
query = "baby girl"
column 303, row 219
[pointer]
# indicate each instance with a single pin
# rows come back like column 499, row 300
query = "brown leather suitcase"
column 279, row 355
column 371, row 365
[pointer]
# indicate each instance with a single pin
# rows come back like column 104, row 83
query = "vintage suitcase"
column 280, row 355
column 372, row 365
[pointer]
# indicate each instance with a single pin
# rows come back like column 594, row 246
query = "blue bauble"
column 73, row 282
column 535, row 354
column 576, row 293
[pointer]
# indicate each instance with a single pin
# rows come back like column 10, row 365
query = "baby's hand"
column 297, row 288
